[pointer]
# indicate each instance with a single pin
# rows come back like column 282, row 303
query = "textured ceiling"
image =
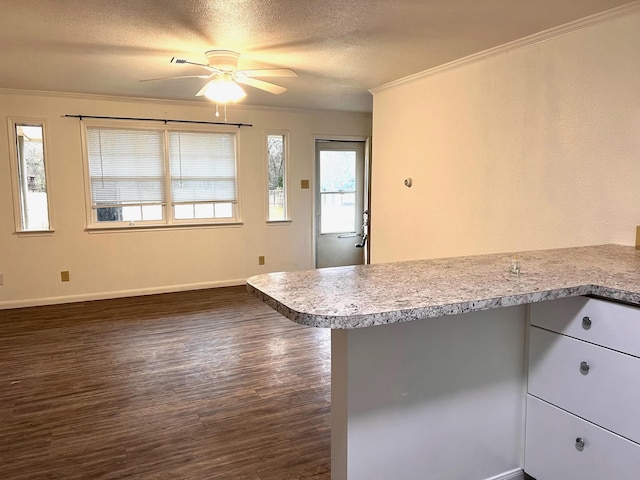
column 340, row 48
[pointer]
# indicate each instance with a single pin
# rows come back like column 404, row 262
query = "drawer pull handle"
column 584, row 367
column 580, row 443
column 586, row 323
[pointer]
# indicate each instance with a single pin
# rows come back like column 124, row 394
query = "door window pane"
column 32, row 178
column 337, row 191
column 338, row 212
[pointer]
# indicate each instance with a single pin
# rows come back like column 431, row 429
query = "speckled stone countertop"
column 368, row 295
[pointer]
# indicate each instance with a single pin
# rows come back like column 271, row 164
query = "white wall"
column 122, row 263
column 535, row 147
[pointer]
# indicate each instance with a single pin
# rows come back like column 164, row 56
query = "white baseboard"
column 515, row 474
column 84, row 297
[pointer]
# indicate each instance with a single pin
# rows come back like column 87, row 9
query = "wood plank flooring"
column 208, row 384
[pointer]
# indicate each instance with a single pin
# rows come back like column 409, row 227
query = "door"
column 341, row 221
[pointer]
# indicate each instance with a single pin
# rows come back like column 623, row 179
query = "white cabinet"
column 561, row 446
column 583, row 391
column 612, row 325
column 590, row 381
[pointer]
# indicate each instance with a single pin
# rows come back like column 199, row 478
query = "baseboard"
column 84, row 297
column 515, row 474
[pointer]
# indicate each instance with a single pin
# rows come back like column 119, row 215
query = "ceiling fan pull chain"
column 217, row 112
column 225, row 112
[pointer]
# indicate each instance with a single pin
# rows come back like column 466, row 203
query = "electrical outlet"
column 64, row 276
column 261, row 260
column 1, row 279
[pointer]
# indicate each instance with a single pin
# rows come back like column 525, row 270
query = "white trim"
column 196, row 102
column 515, row 474
column 160, row 226
column 279, row 222
column 35, row 233
column 84, row 297
column 312, row 186
column 517, row 44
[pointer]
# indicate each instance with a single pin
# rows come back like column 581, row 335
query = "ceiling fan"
column 224, row 77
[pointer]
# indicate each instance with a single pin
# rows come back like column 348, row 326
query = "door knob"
column 580, row 443
column 584, row 367
column 586, row 323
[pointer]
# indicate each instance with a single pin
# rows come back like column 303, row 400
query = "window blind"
column 203, row 167
column 125, row 166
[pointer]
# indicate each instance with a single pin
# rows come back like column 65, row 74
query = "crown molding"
column 177, row 103
column 543, row 36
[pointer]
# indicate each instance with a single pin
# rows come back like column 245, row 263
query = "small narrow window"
column 30, row 179
column 277, row 177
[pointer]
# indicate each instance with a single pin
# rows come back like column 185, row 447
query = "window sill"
column 35, row 233
column 174, row 226
column 279, row 222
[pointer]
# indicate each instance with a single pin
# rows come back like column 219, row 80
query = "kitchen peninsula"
column 437, row 388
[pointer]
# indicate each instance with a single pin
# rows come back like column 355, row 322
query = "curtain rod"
column 159, row 120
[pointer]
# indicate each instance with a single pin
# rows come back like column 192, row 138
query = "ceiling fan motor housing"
column 225, row 60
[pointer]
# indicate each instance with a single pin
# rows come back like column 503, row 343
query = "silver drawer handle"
column 584, row 367
column 586, row 323
column 580, row 443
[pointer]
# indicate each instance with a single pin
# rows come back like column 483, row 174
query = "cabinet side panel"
column 339, row 397
column 438, row 398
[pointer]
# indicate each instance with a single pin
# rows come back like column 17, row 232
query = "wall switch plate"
column 1, row 279
column 261, row 260
column 304, row 183
column 64, row 276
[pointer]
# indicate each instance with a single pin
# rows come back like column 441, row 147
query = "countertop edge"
column 339, row 322
column 380, row 294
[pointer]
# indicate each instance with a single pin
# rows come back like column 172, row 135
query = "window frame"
column 168, row 221
column 16, row 187
column 286, row 175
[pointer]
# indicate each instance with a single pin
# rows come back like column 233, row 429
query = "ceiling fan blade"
column 171, row 78
column 203, row 89
column 182, row 60
column 262, row 85
column 267, row 72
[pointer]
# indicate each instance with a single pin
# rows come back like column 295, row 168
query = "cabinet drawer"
column 605, row 390
column 609, row 324
column 552, row 453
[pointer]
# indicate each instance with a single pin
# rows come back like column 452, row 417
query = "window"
column 277, row 177
column 30, row 176
column 160, row 176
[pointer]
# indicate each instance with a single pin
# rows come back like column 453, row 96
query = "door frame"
column 366, row 140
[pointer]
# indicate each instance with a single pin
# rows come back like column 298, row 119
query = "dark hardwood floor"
column 209, row 384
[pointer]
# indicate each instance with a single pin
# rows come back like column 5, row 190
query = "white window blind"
column 160, row 176
column 126, row 167
column 203, row 167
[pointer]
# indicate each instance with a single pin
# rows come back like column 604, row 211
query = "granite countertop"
column 368, row 295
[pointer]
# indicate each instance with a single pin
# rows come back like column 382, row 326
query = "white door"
column 342, row 223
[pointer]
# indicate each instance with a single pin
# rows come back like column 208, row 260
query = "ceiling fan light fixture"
column 224, row 90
